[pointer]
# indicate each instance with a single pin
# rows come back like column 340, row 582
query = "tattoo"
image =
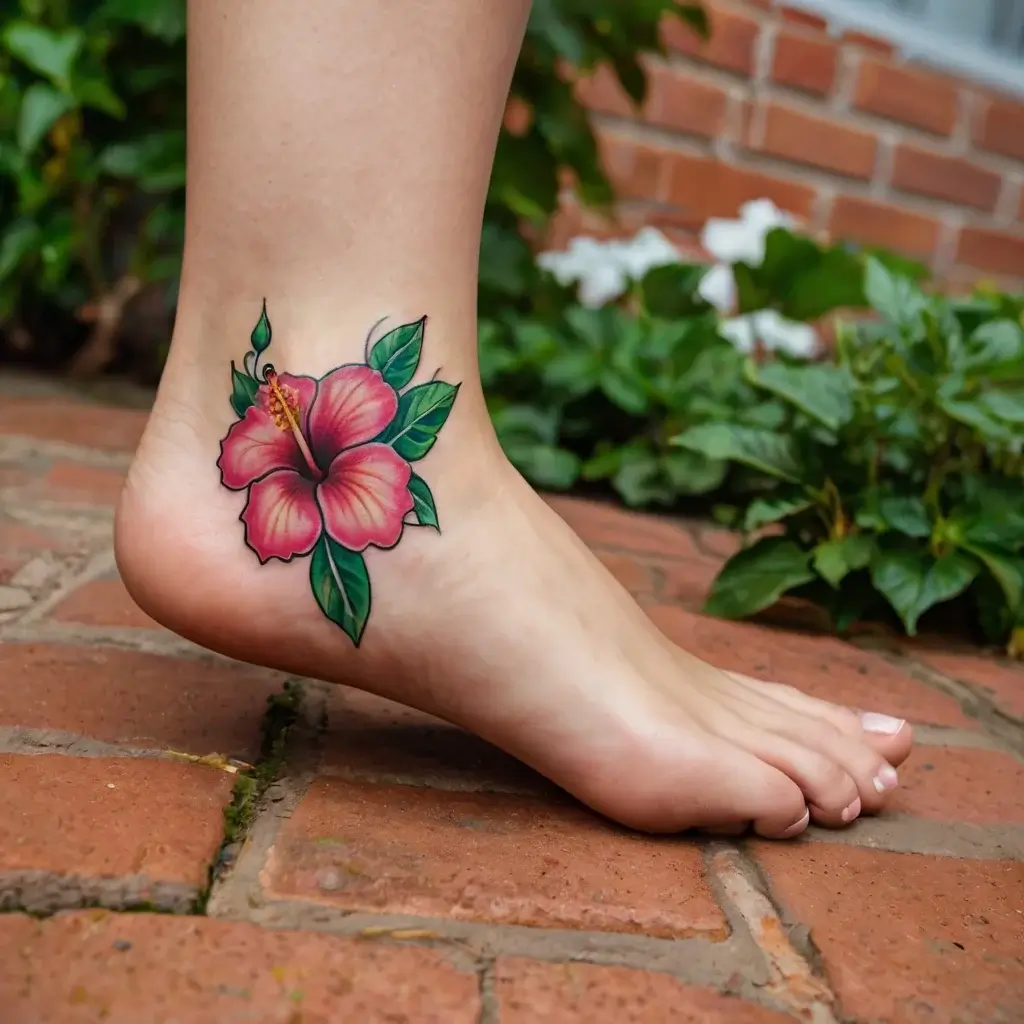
column 325, row 461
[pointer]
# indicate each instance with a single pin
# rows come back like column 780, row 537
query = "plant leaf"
column 422, row 412
column 261, row 333
column 994, row 343
column 906, row 515
column 1006, row 569
column 397, row 354
column 913, row 582
column 762, row 511
column 423, row 506
column 894, row 296
column 759, row 449
column 41, row 107
column 545, row 465
column 243, row 391
column 825, row 393
column 341, row 586
column 757, row 577
column 834, row 560
column 1004, row 405
column 693, row 473
column 52, row 54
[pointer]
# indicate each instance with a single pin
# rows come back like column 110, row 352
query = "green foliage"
column 894, row 477
column 92, row 152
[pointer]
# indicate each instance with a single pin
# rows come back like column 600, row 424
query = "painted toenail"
column 852, row 811
column 798, row 827
column 872, row 721
column 886, row 779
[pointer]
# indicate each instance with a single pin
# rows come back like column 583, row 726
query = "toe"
column 890, row 736
column 832, row 795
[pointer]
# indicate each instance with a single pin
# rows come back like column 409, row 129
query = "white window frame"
column 918, row 41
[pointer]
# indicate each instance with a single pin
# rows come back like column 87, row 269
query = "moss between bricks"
column 282, row 711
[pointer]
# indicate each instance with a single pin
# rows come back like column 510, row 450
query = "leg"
column 338, row 165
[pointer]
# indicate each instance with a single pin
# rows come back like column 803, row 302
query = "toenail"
column 886, row 779
column 797, row 827
column 852, row 811
column 872, row 721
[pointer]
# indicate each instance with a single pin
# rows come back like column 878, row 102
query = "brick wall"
column 839, row 131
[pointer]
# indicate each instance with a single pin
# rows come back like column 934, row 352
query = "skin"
column 338, row 165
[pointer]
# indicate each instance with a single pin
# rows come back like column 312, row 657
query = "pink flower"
column 305, row 453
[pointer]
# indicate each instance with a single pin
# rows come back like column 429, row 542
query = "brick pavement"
column 378, row 865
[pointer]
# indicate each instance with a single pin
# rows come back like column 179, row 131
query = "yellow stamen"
column 284, row 409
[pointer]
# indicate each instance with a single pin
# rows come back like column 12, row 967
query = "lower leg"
column 338, row 164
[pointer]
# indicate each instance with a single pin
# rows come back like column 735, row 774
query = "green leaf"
column 913, row 582
column 243, row 391
column 626, row 391
column 261, row 333
column 423, row 506
column 52, row 54
column 693, row 473
column 834, row 560
column 156, row 161
column 341, row 586
column 906, row 515
column 757, row 577
column 19, row 239
column 763, row 511
column 824, row 393
column 1006, row 569
column 163, row 19
column 41, row 107
column 896, row 297
column 97, row 93
column 972, row 414
column 995, row 343
column 759, row 449
column 397, row 354
column 422, row 412
column 1004, row 405
column 671, row 291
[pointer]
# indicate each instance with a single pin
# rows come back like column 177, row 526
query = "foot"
column 504, row 624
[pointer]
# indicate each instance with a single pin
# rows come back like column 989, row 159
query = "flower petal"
column 353, row 405
column 254, row 447
column 281, row 518
column 366, row 497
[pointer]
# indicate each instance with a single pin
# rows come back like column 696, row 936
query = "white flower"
column 604, row 270
column 743, row 240
column 774, row 331
column 718, row 287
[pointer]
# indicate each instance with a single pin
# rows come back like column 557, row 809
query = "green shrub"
column 92, row 156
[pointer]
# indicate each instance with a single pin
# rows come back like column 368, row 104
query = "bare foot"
column 504, row 624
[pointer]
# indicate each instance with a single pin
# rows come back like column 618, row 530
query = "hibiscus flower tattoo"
column 325, row 462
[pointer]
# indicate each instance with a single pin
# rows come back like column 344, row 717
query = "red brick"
column 74, row 483
column 528, row 991
column 864, row 220
column 820, row 665
column 999, row 251
column 487, row 857
column 682, row 102
column 103, row 603
column 687, row 582
column 945, row 177
column 804, row 18
column 907, row 95
column 731, row 46
column 1000, row 679
column 132, row 968
column 704, row 187
column 603, row 526
column 723, row 543
column 790, row 134
column 686, row 103
column 632, row 574
column 94, row 818
column 17, row 539
column 369, row 737
column 868, row 42
column 141, row 700
column 803, row 62
column 56, row 419
column 906, row 938
column 635, row 170
column 1001, row 128
column 951, row 784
